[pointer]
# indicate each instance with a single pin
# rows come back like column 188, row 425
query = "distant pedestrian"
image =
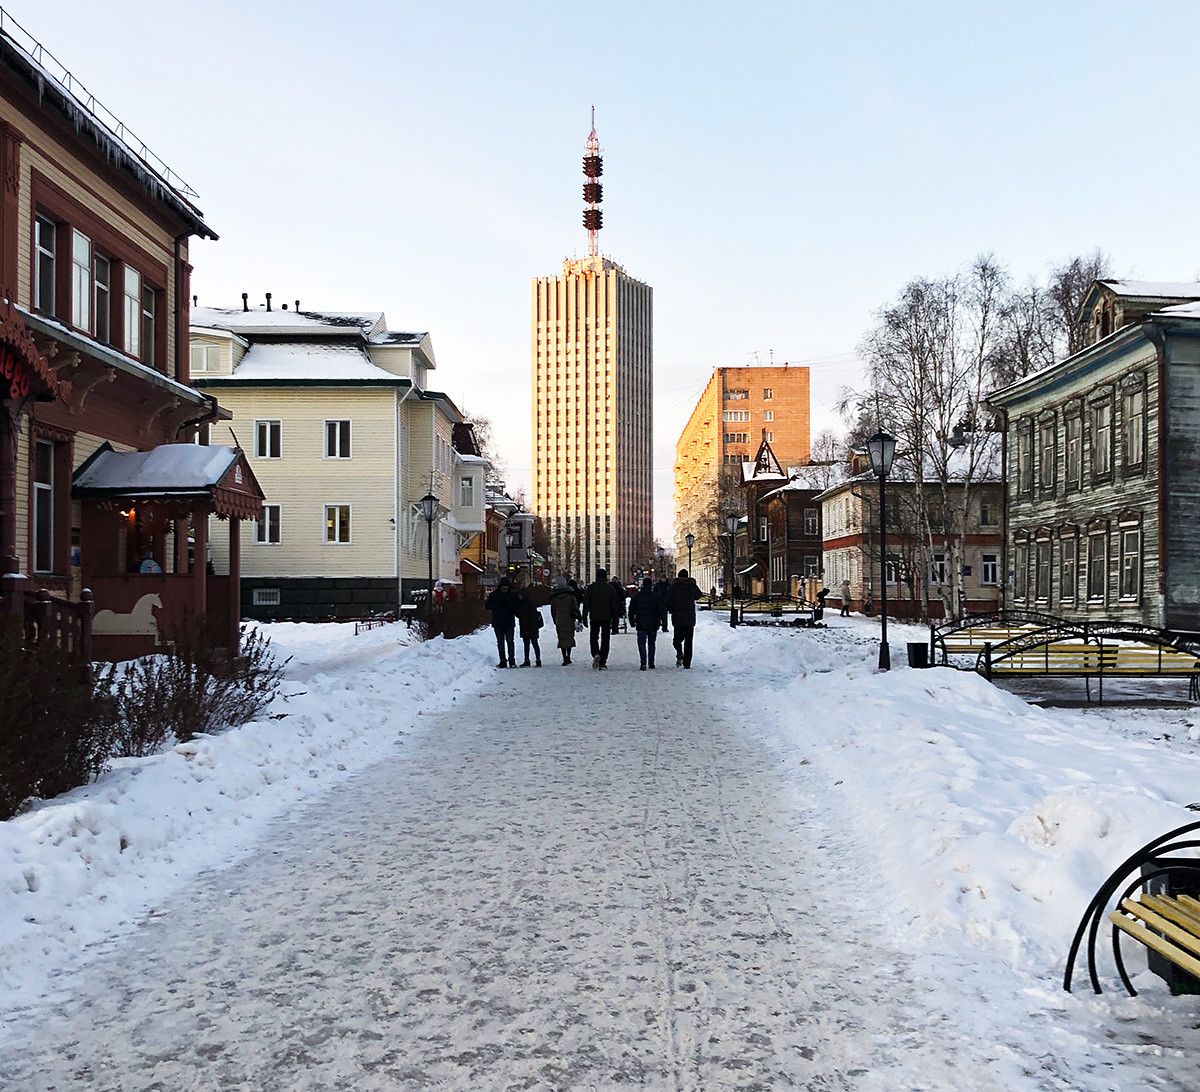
column 821, row 596
column 662, row 588
column 530, row 619
column 503, row 605
column 564, row 612
column 647, row 612
column 681, row 604
column 601, row 606
column 845, row 598
column 619, row 588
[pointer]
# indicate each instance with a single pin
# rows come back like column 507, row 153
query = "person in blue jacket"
column 503, row 605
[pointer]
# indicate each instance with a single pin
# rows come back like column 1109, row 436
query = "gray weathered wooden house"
column 1102, row 468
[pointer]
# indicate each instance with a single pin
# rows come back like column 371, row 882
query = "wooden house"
column 1102, row 483
column 94, row 279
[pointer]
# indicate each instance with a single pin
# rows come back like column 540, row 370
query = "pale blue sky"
column 775, row 171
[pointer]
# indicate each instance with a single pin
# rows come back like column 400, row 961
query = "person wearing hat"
column 503, row 605
column 647, row 611
column 681, row 604
column 564, row 612
column 602, row 606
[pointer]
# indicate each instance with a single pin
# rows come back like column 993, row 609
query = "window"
column 205, row 358
column 1020, row 570
column 812, row 566
column 937, row 569
column 989, row 514
column 769, row 437
column 736, row 396
column 337, row 523
column 1097, row 565
column 148, row 309
column 43, row 507
column 1047, row 447
column 1024, row 459
column 45, row 233
column 266, row 531
column 266, row 597
column 1102, row 439
column 1066, row 569
column 1074, row 450
column 268, row 439
column 133, row 312
column 1131, row 552
column 811, row 522
column 893, row 569
column 989, row 569
column 102, row 287
column 337, row 439
column 737, row 437
column 768, row 393
column 763, row 532
column 81, row 281
column 466, row 492
column 768, row 415
column 1133, row 412
column 1041, row 569
column 735, row 415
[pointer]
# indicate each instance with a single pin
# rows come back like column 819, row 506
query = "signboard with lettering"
column 14, row 373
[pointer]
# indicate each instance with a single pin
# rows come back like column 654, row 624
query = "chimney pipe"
column 297, row 305
column 268, row 301
column 284, row 306
column 245, row 303
column 195, row 301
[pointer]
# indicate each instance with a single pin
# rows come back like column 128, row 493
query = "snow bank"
column 85, row 865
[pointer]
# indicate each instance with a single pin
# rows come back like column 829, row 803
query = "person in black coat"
column 602, row 606
column 619, row 588
column 530, row 619
column 681, row 604
column 503, row 605
column 662, row 588
column 647, row 612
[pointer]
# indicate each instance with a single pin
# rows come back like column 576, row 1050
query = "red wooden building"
column 94, row 293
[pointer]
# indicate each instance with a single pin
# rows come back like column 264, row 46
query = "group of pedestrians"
column 599, row 607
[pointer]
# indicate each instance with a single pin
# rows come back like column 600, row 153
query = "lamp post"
column 731, row 524
column 690, row 539
column 881, row 447
column 512, row 539
column 429, row 511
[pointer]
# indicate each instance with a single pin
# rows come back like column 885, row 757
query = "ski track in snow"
column 572, row 880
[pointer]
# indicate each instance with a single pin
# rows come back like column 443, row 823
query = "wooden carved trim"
column 81, row 388
column 11, row 152
column 22, row 357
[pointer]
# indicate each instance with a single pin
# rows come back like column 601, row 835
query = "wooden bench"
column 1166, row 924
column 1142, row 660
column 1056, row 658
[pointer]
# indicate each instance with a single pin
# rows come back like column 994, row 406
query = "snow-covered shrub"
column 57, row 724
column 195, row 687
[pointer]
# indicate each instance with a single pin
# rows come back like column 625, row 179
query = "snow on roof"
column 1151, row 289
column 398, row 337
column 166, row 468
column 309, row 361
column 305, row 323
column 1182, row 310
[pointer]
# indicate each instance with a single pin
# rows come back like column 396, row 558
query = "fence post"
column 987, row 660
column 42, row 615
column 87, row 607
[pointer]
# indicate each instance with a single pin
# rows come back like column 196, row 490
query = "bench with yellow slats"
column 1168, row 924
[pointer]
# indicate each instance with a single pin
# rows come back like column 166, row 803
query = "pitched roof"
column 308, row 362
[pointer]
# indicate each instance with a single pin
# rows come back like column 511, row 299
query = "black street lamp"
column 429, row 510
column 881, row 447
column 731, row 525
column 690, row 539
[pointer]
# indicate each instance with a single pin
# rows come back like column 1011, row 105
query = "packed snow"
column 778, row 869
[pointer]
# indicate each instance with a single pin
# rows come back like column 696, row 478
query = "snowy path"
column 539, row 891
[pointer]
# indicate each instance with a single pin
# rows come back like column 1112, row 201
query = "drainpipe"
column 1153, row 334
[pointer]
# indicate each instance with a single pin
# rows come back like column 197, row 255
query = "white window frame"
column 989, row 570
column 1130, row 586
column 266, row 429
column 45, row 277
column 337, row 540
column 204, row 359
column 768, row 415
column 132, row 288
column 768, row 393
column 101, row 298
column 264, row 525
column 43, row 500
column 149, row 318
column 337, row 438
column 267, row 597
column 937, row 568
column 466, row 491
column 81, row 281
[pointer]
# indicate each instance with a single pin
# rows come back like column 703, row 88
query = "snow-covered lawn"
column 968, row 828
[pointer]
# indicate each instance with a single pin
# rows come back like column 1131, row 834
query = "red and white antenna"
column 593, row 191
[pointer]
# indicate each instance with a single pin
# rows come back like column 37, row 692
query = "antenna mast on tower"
column 593, row 191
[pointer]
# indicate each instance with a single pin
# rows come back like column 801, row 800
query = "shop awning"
column 465, row 567
column 190, row 476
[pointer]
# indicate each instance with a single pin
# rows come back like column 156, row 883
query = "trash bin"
column 918, row 654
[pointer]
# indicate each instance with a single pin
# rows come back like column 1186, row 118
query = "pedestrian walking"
column 662, row 588
column 681, row 604
column 619, row 588
column 601, row 607
column 821, row 595
column 564, row 613
column 503, row 605
column 845, row 589
column 647, row 612
column 529, row 617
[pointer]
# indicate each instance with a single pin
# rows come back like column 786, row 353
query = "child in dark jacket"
column 530, row 620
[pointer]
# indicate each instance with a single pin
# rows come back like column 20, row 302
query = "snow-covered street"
column 777, row 870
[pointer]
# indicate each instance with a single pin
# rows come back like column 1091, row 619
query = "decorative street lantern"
column 731, row 526
column 881, row 447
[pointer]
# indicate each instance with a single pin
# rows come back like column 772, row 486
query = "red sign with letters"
column 14, row 372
